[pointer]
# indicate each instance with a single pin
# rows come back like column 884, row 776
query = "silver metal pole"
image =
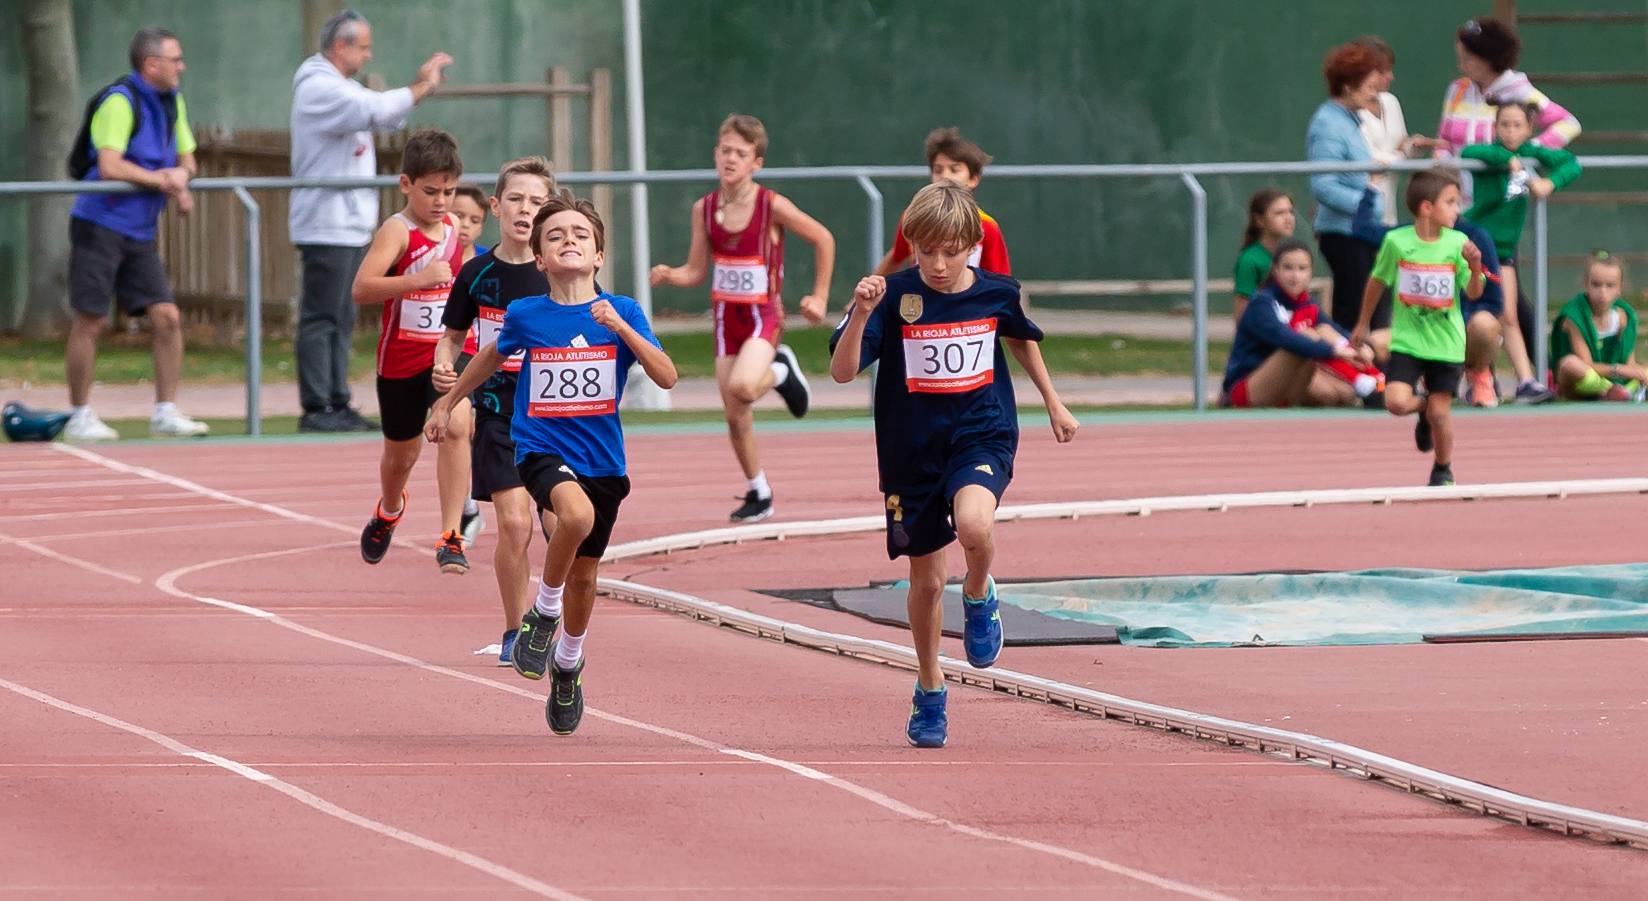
column 254, row 311
column 643, row 394
column 878, row 228
column 1542, row 287
column 1198, row 291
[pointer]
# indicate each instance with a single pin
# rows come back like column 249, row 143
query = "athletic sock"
column 569, row 650
column 549, row 599
column 760, row 487
column 164, row 408
column 81, row 412
column 780, row 371
column 471, row 507
column 1592, row 384
column 386, row 515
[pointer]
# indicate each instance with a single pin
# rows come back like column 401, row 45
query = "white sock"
column 759, row 485
column 388, row 513
column 549, row 599
column 81, row 412
column 471, row 507
column 1364, row 384
column 568, row 650
column 165, row 408
column 780, row 372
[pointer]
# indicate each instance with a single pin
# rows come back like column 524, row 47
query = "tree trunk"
column 54, row 108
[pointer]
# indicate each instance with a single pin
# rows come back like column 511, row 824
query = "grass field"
column 124, row 359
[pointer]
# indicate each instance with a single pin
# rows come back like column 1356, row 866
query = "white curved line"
column 308, row 799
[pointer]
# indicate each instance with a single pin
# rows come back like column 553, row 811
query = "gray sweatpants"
column 326, row 321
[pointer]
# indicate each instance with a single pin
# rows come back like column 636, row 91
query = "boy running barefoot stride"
column 946, row 422
column 569, row 443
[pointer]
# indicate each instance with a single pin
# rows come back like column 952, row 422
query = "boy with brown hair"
column 946, row 423
column 1427, row 266
column 483, row 292
column 469, row 213
column 579, row 344
column 738, row 238
column 419, row 249
column 951, row 157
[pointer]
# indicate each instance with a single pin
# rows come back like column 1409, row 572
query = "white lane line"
column 86, row 565
column 93, row 483
column 168, row 584
column 112, row 512
column 610, row 764
column 308, row 799
column 168, row 530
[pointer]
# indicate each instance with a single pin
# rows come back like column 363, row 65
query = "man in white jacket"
column 333, row 118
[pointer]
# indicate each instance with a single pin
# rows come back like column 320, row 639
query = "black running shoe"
column 565, row 707
column 449, row 554
column 797, row 393
column 379, row 531
column 1441, row 476
column 350, row 420
column 754, row 508
column 1422, row 433
column 530, row 654
column 327, row 420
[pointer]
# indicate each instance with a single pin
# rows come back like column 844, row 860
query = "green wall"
column 1054, row 81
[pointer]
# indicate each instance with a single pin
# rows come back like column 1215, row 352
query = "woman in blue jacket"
column 1335, row 135
column 1286, row 353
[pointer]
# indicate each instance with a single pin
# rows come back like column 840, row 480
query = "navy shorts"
column 104, row 263
column 540, row 473
column 920, row 521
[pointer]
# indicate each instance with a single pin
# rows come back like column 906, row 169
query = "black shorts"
column 403, row 404
column 920, row 520
column 105, row 263
column 540, row 473
column 492, row 463
column 1440, row 378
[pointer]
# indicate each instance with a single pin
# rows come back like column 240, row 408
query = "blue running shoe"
column 928, row 725
column 981, row 631
column 507, row 645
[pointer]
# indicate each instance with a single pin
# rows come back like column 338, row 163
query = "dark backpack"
column 82, row 156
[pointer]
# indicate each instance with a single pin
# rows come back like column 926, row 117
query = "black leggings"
column 1351, row 260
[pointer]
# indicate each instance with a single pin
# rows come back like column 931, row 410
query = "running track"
column 211, row 696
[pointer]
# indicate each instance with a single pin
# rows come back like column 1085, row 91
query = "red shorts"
column 736, row 323
column 1237, row 397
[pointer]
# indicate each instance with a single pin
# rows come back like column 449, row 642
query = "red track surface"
column 716, row 764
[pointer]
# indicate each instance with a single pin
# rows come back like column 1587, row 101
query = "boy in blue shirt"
column 946, row 422
column 569, row 444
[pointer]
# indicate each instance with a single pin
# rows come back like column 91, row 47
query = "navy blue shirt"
column 572, row 379
column 483, row 291
column 1266, row 326
column 944, row 383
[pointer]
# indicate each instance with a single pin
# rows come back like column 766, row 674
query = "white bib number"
column 949, row 358
column 573, row 381
column 1426, row 284
column 739, row 280
column 487, row 326
column 420, row 318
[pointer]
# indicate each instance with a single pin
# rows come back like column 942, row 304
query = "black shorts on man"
column 104, row 263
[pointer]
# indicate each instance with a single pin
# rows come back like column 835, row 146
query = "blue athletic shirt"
column 566, row 399
column 944, row 385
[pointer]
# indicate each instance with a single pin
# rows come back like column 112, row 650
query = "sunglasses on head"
column 1471, row 27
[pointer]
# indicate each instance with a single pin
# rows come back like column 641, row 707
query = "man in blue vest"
column 139, row 134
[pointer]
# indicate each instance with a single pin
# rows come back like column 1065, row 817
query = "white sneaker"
column 87, row 427
column 176, row 425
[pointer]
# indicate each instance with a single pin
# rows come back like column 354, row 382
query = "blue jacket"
column 1335, row 135
column 1266, row 327
column 153, row 146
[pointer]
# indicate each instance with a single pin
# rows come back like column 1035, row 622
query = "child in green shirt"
column 1426, row 266
column 1270, row 220
column 1594, row 338
column 1501, row 208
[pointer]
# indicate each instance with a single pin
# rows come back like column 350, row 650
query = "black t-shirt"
column 484, row 288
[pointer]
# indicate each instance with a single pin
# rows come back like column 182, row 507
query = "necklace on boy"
column 721, row 208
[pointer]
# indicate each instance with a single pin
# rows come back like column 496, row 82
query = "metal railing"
column 1189, row 174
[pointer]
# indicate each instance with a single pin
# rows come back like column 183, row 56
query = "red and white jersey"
column 412, row 321
column 990, row 254
column 747, row 266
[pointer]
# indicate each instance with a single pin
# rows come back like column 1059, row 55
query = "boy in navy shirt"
column 569, row 445
column 946, row 422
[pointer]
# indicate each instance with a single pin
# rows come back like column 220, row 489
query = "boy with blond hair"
column 486, row 287
column 946, row 422
column 738, row 239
